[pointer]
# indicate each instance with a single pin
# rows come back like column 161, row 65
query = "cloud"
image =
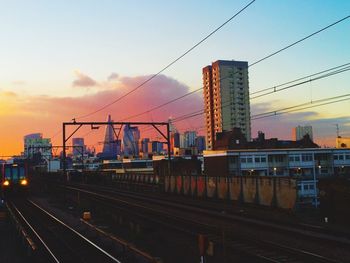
column 280, row 126
column 46, row 113
column 83, row 80
column 113, row 77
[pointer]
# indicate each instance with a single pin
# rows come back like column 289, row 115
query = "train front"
column 14, row 178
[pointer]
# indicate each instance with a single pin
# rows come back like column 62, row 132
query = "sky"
column 63, row 59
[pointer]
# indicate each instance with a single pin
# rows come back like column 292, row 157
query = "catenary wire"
column 167, row 66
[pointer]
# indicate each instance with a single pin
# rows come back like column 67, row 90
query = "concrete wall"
column 264, row 190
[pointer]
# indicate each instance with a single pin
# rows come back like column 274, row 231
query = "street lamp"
column 274, row 171
column 299, row 171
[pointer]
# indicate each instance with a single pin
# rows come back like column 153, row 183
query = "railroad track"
column 54, row 240
column 215, row 210
column 182, row 218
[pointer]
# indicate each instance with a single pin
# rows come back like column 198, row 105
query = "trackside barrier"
column 279, row 192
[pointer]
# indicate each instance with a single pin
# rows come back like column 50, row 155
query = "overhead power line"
column 225, row 104
column 301, row 78
column 300, row 40
column 303, row 106
column 256, row 62
column 167, row 66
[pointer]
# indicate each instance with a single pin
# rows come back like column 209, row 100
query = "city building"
column 200, row 143
column 79, row 147
column 156, row 147
column 300, row 131
column 226, row 99
column 307, row 165
column 111, row 146
column 131, row 139
column 190, row 139
column 144, row 145
column 174, row 141
column 35, row 144
column 342, row 142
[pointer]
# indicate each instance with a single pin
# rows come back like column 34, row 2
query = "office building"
column 200, row 143
column 190, row 139
column 78, row 147
column 226, row 99
column 300, row 131
column 111, row 146
column 35, row 144
column 131, row 139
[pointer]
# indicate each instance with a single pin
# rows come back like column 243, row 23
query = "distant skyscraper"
column 300, row 131
column 78, row 146
column 110, row 145
column 190, row 138
column 131, row 140
column 226, row 98
column 144, row 145
column 175, row 140
column 200, row 143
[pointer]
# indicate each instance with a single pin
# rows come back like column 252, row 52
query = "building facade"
column 226, row 99
column 131, row 138
column 307, row 165
column 35, row 144
column 190, row 139
column 111, row 147
column 78, row 147
column 300, row 131
column 342, row 142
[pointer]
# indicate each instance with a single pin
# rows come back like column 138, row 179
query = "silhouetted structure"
column 235, row 139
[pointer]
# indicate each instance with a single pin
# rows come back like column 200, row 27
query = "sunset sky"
column 63, row 59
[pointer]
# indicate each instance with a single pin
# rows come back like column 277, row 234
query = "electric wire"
column 256, row 62
column 168, row 65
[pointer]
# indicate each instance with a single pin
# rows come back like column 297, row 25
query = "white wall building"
column 300, row 131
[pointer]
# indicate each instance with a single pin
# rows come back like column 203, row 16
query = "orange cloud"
column 45, row 114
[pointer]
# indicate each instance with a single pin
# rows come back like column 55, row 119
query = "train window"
column 7, row 172
column 21, row 172
column 14, row 173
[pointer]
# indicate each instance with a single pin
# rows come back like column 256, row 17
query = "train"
column 14, row 178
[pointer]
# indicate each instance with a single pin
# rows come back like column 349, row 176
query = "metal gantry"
column 94, row 125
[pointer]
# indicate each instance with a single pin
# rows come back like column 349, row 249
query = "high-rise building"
column 35, row 144
column 300, row 131
column 190, row 138
column 111, row 146
column 144, row 145
column 200, row 143
column 226, row 98
column 131, row 140
column 78, row 146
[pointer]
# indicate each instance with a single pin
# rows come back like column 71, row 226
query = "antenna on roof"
column 337, row 127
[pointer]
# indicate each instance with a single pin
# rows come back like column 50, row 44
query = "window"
column 306, row 157
column 294, row 158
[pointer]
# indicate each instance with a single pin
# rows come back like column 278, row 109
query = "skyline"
column 74, row 58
